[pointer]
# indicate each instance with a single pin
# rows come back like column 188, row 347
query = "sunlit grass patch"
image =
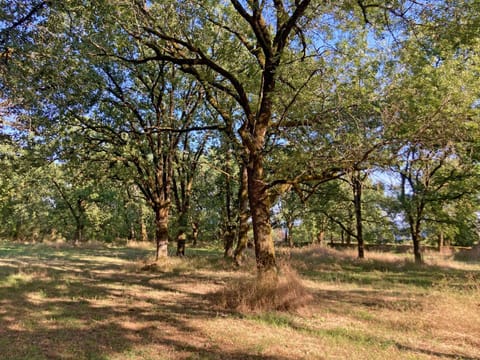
column 143, row 245
column 16, row 280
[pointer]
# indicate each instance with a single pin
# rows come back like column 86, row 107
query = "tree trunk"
column 320, row 237
column 143, row 227
column 357, row 200
column 79, row 229
column 288, row 234
column 132, row 234
column 181, row 242
column 243, row 216
column 440, row 242
column 229, row 240
column 161, row 230
column 182, row 233
column 79, row 235
column 415, row 231
column 260, row 210
column 229, row 234
column 195, row 229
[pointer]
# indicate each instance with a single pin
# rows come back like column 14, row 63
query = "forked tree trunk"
column 161, row 231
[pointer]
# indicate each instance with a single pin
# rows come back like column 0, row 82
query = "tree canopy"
column 313, row 111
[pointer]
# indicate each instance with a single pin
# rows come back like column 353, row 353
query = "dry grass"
column 472, row 254
column 249, row 294
column 144, row 245
column 114, row 303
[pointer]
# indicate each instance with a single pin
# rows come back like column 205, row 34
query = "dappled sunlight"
column 83, row 305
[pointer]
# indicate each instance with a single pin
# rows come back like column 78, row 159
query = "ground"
column 63, row 302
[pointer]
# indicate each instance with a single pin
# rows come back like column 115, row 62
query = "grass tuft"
column 249, row 294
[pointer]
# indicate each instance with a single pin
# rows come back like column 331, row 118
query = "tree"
column 434, row 106
column 269, row 39
column 186, row 168
column 428, row 179
column 131, row 116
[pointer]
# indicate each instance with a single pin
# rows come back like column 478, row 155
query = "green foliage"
column 97, row 102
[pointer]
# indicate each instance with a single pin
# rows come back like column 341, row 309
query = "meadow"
column 95, row 302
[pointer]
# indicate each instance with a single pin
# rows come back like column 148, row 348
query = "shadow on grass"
column 77, row 304
column 83, row 304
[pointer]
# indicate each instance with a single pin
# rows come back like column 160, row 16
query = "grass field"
column 60, row 302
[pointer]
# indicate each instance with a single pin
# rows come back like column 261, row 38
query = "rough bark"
column 260, row 210
column 416, row 238
column 161, row 230
column 229, row 240
column 416, row 250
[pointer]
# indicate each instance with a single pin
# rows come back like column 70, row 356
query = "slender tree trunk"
column 440, row 242
column 229, row 240
column 80, row 221
column 289, row 237
column 79, row 229
column 143, row 227
column 229, row 234
column 320, row 237
column 161, row 230
column 243, row 216
column 182, row 232
column 195, row 229
column 415, row 231
column 357, row 200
